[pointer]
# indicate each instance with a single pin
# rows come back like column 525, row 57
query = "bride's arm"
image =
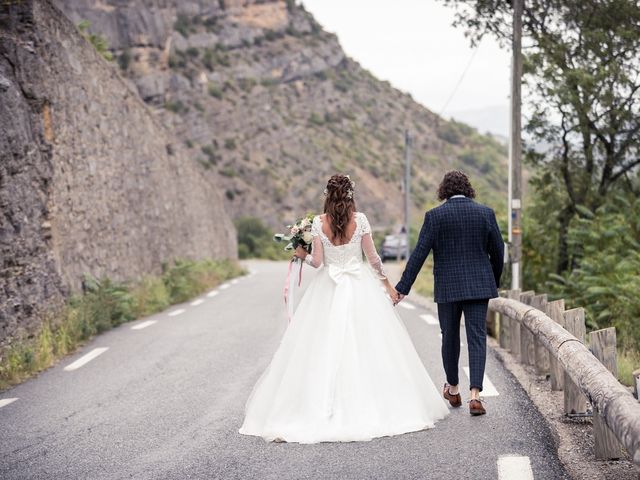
column 369, row 249
column 315, row 259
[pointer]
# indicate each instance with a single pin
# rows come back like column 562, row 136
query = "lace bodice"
column 325, row 252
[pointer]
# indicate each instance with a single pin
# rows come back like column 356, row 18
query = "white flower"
column 294, row 230
column 304, row 223
column 306, row 236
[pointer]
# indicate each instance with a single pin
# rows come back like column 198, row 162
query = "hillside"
column 259, row 94
column 90, row 181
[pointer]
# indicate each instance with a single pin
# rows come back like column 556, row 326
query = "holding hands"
column 396, row 296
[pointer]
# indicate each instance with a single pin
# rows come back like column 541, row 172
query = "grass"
column 103, row 305
column 628, row 362
column 424, row 281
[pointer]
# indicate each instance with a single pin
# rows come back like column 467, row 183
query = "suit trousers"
column 475, row 321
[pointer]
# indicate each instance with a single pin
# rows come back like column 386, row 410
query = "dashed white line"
column 511, row 467
column 142, row 325
column 86, row 358
column 179, row 311
column 197, row 302
column 233, row 282
column 212, row 293
column 488, row 389
column 430, row 319
column 406, row 305
column 6, row 401
column 224, row 286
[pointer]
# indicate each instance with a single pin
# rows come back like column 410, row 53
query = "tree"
column 582, row 74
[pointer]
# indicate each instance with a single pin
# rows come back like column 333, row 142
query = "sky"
column 412, row 44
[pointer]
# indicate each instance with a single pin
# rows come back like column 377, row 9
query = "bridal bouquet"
column 299, row 234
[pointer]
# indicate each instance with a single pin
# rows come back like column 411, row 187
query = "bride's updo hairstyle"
column 339, row 205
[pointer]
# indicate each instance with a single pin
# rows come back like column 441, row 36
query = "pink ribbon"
column 289, row 301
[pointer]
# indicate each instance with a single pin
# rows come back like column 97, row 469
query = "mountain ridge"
column 264, row 97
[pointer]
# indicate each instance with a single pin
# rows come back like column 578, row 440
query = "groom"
column 468, row 259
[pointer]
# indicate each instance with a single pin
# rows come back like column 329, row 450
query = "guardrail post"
column 491, row 323
column 541, row 354
column 514, row 327
column 602, row 344
column 527, row 343
column 503, row 330
column 555, row 311
column 574, row 400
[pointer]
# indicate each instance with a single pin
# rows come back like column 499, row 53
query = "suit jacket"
column 468, row 252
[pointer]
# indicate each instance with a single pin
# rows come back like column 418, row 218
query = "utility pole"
column 407, row 188
column 515, row 153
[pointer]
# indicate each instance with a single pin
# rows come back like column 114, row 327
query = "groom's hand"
column 398, row 298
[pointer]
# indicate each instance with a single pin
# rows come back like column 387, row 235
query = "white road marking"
column 197, row 302
column 511, row 467
column 142, row 325
column 86, row 358
column 212, row 293
column 179, row 311
column 430, row 319
column 233, row 282
column 6, row 401
column 406, row 305
column 488, row 389
column 224, row 286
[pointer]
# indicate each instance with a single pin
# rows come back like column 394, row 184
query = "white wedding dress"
column 346, row 369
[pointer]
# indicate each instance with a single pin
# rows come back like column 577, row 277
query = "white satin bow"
column 352, row 267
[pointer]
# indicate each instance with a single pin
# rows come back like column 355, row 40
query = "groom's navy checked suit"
column 468, row 256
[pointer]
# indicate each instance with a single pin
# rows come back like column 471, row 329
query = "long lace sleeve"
column 369, row 249
column 316, row 258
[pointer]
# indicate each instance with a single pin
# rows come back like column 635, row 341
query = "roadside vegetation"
column 255, row 240
column 582, row 215
column 105, row 304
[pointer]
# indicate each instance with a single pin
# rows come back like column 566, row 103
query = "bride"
column 346, row 369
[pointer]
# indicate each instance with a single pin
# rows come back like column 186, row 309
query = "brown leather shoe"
column 454, row 400
column 476, row 408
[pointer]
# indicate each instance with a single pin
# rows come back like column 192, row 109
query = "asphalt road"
column 165, row 402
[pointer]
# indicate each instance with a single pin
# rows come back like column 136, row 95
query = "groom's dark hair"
column 455, row 183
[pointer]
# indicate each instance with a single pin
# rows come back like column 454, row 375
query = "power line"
column 464, row 73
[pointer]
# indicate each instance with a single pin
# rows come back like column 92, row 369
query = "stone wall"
column 90, row 181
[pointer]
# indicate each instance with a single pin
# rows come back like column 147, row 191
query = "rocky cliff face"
column 267, row 100
column 90, row 180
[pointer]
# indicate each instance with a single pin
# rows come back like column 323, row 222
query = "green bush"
column 607, row 282
column 316, row 119
column 214, row 57
column 176, row 106
column 215, row 91
column 177, row 60
column 105, row 304
column 124, row 60
column 98, row 41
column 183, row 24
column 255, row 240
column 247, row 84
column 211, row 152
